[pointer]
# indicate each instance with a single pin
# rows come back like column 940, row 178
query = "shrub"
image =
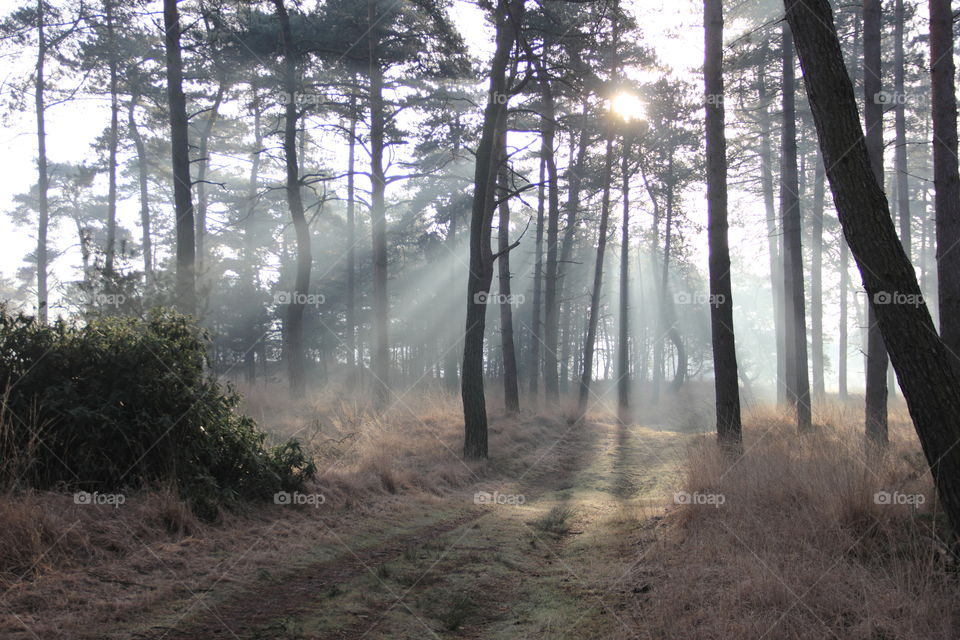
column 120, row 402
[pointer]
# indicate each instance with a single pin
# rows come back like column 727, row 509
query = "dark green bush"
column 123, row 403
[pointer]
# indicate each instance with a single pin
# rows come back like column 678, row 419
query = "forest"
column 561, row 319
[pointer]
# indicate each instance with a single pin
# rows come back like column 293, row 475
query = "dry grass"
column 799, row 547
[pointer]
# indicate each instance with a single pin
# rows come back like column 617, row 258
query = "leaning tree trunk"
column 922, row 361
column 798, row 384
column 186, row 292
column 296, row 356
column 876, row 385
column 481, row 254
column 726, row 383
column 945, row 176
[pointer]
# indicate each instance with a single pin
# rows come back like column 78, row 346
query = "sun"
column 628, row 106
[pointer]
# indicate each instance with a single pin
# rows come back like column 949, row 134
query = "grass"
column 800, row 546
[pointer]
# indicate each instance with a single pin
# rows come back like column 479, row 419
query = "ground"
column 554, row 557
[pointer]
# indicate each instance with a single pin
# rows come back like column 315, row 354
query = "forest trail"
column 553, row 566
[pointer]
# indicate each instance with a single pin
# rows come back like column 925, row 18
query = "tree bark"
column 351, row 315
column 900, row 125
column 816, row 281
column 623, row 337
column 798, row 385
column 511, row 392
column 922, row 361
column 296, row 356
column 945, row 172
column 481, row 254
column 142, row 181
column 112, row 143
column 876, row 385
column 726, row 381
column 186, row 291
column 43, row 177
column 533, row 368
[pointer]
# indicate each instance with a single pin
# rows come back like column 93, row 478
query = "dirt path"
column 547, row 560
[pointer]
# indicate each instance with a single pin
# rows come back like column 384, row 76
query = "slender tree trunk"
column 112, row 143
column 924, row 366
column 43, row 177
column 816, row 281
column 296, row 356
column 378, row 215
column 249, row 245
column 481, row 254
column 180, row 145
column 142, row 181
column 533, row 367
column 726, row 382
column 945, row 172
column 203, row 165
column 586, row 376
column 551, row 304
column 876, row 386
column 351, row 328
column 510, row 385
column 842, row 340
column 623, row 337
column 900, row 124
column 773, row 239
column 798, row 389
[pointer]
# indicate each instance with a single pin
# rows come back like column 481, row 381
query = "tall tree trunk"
column 816, row 281
column 351, row 316
column 586, row 375
column 945, row 173
column 842, row 345
column 378, row 215
column 142, row 181
column 112, row 143
column 551, row 302
column 798, row 385
column 43, row 177
column 876, row 386
column 773, row 239
column 296, row 356
column 511, row 392
column 508, row 15
column 180, row 150
column 923, row 363
column 623, row 337
column 533, row 368
column 726, row 382
column 203, row 165
column 900, row 124
column 253, row 338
